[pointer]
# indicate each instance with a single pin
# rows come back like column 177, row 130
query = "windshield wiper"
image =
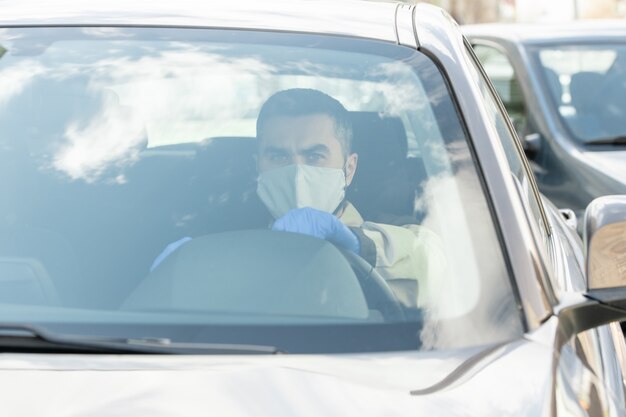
column 611, row 140
column 31, row 339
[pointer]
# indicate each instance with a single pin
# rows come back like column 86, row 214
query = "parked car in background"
column 564, row 86
column 457, row 290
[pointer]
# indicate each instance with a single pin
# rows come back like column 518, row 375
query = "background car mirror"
column 604, row 236
column 531, row 144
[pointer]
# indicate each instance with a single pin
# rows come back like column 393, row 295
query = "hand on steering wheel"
column 319, row 224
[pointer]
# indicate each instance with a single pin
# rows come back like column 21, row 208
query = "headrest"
column 225, row 171
column 381, row 184
column 380, row 142
column 225, row 158
column 382, row 132
column 582, row 87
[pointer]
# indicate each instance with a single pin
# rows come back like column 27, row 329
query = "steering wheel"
column 377, row 293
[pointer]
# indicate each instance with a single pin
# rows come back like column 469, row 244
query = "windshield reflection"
column 449, row 298
column 15, row 78
column 163, row 96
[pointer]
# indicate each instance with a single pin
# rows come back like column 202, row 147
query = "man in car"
column 305, row 164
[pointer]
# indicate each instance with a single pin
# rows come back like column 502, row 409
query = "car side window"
column 502, row 75
column 513, row 150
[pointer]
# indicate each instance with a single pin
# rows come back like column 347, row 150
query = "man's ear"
column 351, row 163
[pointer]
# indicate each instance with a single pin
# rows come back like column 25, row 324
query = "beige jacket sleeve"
column 408, row 257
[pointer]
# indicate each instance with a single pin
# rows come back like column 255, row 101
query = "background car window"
column 122, row 141
column 589, row 86
column 501, row 73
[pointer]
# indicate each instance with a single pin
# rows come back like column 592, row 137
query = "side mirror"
column 604, row 235
column 531, row 143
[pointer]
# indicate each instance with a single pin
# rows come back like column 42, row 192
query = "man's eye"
column 315, row 157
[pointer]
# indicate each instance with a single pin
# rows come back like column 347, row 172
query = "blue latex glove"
column 319, row 224
column 169, row 249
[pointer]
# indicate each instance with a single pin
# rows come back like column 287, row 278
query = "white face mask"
column 297, row 186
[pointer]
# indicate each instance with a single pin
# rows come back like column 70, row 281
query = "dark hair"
column 304, row 102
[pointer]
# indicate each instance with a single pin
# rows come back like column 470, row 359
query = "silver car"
column 285, row 208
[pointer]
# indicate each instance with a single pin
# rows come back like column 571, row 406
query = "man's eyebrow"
column 316, row 148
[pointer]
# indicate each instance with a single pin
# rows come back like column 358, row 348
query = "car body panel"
column 376, row 21
column 550, row 33
column 405, row 24
column 369, row 385
column 610, row 162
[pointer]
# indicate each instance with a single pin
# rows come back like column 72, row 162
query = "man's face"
column 307, row 140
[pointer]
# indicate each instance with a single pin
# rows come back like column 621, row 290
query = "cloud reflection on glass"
column 14, row 79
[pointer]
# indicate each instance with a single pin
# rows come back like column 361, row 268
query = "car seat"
column 386, row 181
column 73, row 227
column 225, row 176
column 588, row 121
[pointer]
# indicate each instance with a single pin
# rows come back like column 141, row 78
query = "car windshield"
column 587, row 83
column 144, row 197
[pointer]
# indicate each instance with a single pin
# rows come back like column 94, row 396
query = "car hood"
column 612, row 163
column 509, row 379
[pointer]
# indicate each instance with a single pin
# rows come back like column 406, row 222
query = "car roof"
column 346, row 17
column 538, row 33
